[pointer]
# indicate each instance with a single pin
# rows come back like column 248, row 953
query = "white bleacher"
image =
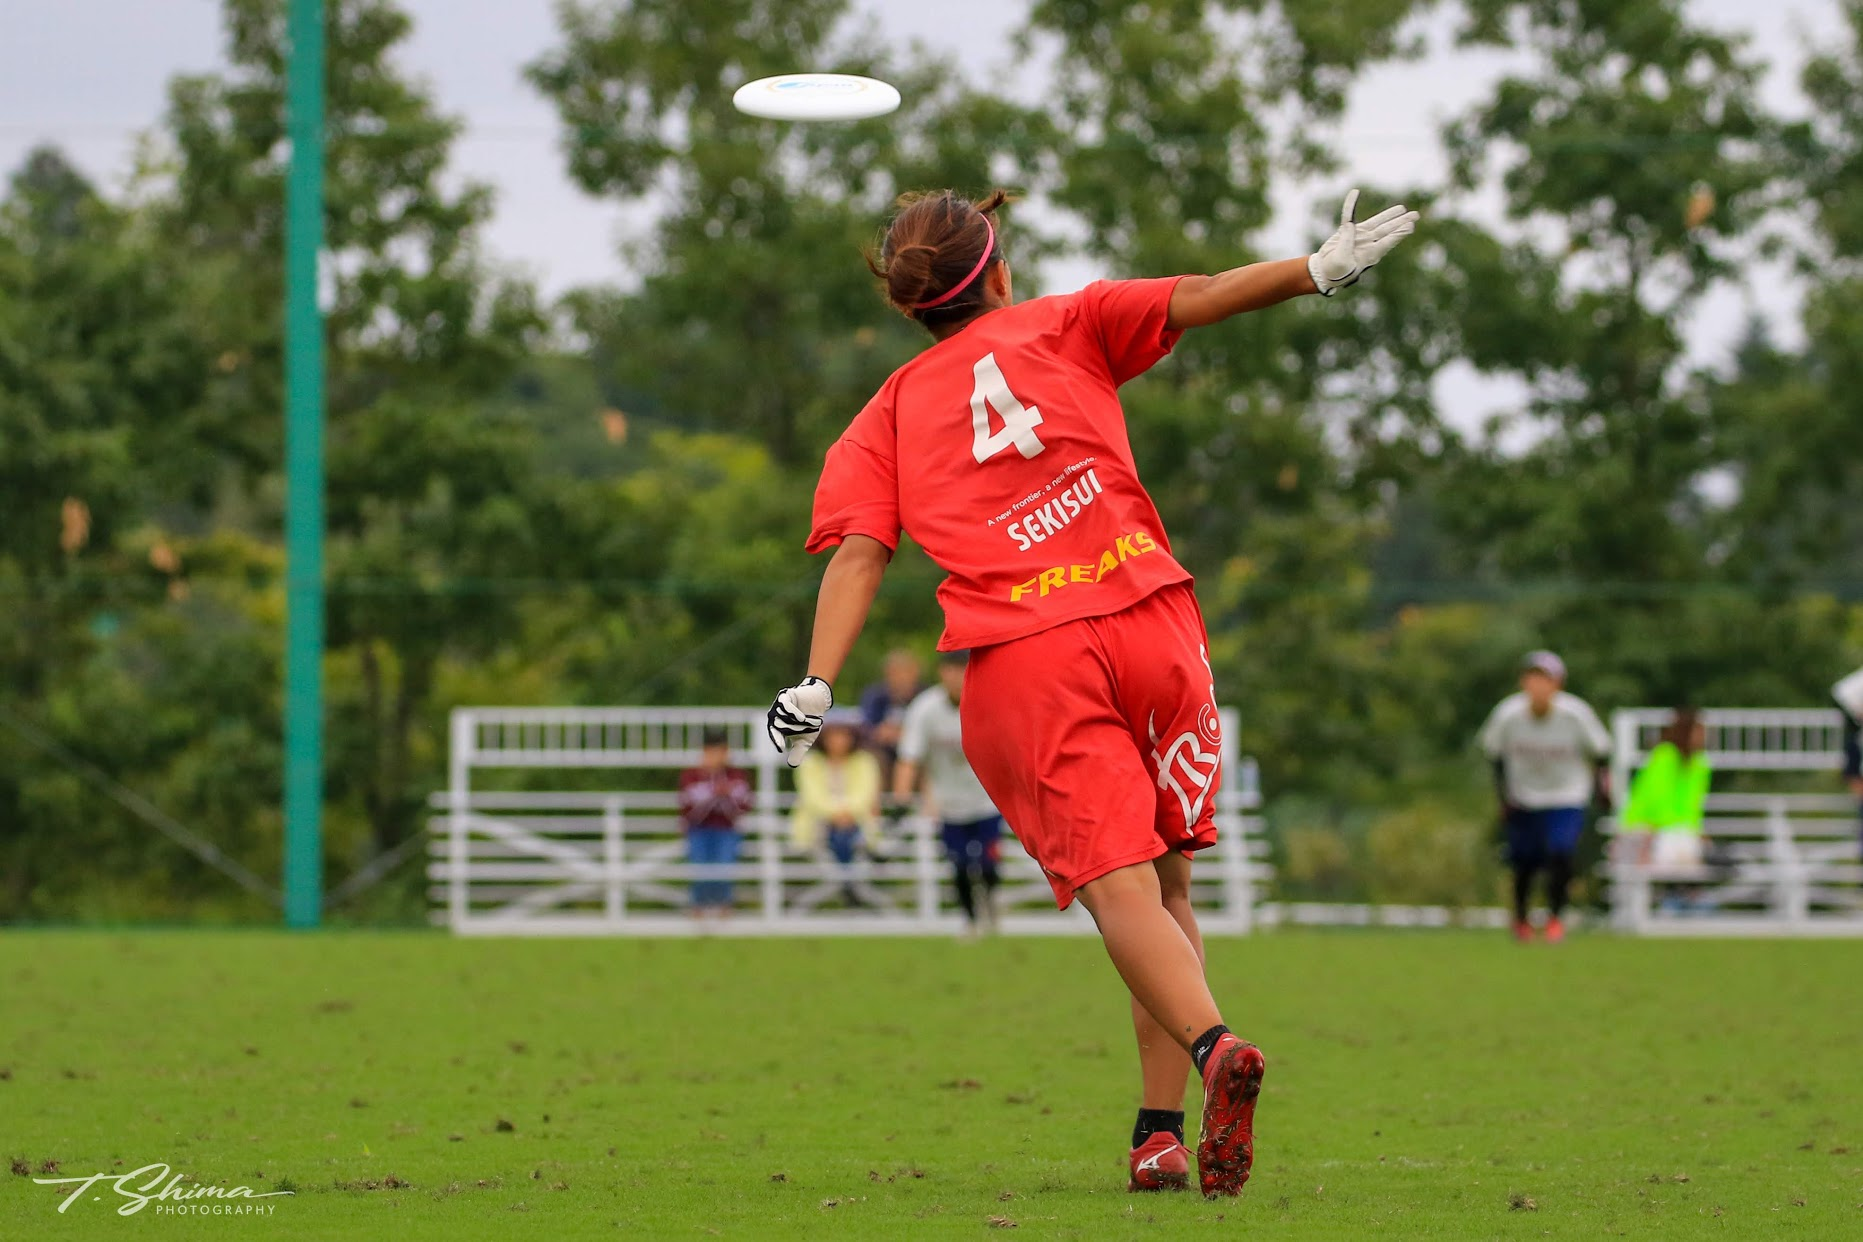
column 592, row 861
column 1782, row 862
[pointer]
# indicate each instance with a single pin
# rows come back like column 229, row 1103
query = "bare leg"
column 1160, row 963
column 1163, row 1063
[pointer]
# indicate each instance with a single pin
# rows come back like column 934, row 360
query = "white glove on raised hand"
column 796, row 717
column 1356, row 246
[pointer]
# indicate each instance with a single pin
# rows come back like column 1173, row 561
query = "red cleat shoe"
column 1161, row 1162
column 1226, row 1143
column 1523, row 932
column 1555, row 931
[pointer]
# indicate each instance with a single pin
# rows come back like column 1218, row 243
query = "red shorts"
column 1098, row 739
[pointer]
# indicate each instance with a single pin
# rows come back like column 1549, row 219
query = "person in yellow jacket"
column 1667, row 799
column 838, row 799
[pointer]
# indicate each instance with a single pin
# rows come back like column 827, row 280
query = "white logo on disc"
column 818, row 86
column 816, row 97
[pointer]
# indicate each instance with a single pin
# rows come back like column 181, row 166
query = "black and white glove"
column 796, row 717
column 1344, row 256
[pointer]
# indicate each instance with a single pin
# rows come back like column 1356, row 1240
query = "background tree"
column 1789, row 417
column 1636, row 145
column 754, row 313
column 611, row 511
column 1176, row 125
column 431, row 487
column 99, row 376
column 1638, row 170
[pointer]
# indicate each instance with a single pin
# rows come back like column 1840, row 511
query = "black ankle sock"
column 1155, row 1121
column 1206, row 1044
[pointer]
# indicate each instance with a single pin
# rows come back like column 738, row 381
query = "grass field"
column 411, row 1086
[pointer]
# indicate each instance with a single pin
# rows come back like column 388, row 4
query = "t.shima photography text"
column 168, row 1191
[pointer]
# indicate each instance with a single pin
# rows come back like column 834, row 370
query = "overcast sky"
column 88, row 75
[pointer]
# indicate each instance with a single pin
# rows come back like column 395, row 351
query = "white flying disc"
column 816, row 97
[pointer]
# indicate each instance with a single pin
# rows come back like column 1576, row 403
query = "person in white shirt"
column 1549, row 752
column 931, row 746
column 1849, row 696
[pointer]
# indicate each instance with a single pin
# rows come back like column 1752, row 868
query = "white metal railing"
column 563, row 862
column 1749, row 739
column 1784, row 863
column 615, row 864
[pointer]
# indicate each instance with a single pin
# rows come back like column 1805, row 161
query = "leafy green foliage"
column 604, row 501
column 754, row 313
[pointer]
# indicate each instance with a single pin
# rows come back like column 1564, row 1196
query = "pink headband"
column 963, row 284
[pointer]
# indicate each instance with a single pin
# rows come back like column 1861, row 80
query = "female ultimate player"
column 1088, row 711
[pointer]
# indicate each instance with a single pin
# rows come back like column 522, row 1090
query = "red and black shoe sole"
column 1157, row 1182
column 1226, row 1147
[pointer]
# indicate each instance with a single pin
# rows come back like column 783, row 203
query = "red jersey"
column 1002, row 451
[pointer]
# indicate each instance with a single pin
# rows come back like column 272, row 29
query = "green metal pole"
column 304, row 473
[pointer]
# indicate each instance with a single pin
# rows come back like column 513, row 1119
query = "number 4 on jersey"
column 1019, row 421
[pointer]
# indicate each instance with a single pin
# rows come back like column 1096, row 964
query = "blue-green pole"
column 304, row 472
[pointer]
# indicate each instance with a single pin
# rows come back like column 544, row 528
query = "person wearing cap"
column 931, row 746
column 1549, row 752
column 712, row 798
column 838, row 799
column 1848, row 694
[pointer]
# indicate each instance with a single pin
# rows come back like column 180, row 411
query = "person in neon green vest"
column 1666, row 800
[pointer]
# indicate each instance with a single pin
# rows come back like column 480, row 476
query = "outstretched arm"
column 1201, row 300
column 1357, row 245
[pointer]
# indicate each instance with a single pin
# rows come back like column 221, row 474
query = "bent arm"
column 848, row 588
column 1198, row 301
column 905, row 780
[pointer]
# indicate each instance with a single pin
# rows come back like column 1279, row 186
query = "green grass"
column 1419, row 1085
